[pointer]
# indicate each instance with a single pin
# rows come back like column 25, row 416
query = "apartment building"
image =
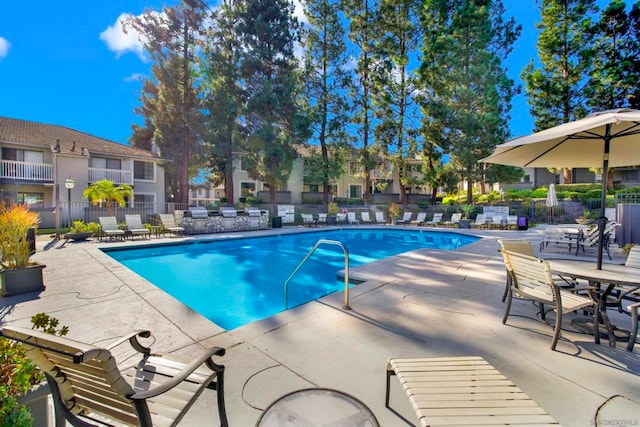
column 48, row 166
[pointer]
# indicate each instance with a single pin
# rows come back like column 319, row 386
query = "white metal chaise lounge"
column 135, row 227
column 88, row 385
column 169, row 224
column 109, row 228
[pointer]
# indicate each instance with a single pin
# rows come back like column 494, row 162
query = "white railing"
column 27, row 171
column 116, row 175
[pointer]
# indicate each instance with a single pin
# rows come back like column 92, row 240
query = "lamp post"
column 69, row 183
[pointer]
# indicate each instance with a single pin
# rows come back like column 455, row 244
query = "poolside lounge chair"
column 351, row 217
column 531, row 279
column 454, row 221
column 406, row 218
column 341, row 218
column 135, row 227
column 307, row 220
column 365, row 218
column 591, row 238
column 322, row 218
column 436, row 220
column 422, row 216
column 109, row 228
column 480, row 222
column 169, row 224
column 380, row 218
column 87, row 385
column 512, row 222
column 496, row 222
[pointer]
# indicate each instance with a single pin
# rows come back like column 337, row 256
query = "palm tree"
column 104, row 191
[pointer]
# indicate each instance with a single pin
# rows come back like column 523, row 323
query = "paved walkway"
column 422, row 303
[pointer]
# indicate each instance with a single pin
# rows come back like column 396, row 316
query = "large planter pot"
column 78, row 237
column 584, row 221
column 37, row 400
column 21, row 280
column 464, row 223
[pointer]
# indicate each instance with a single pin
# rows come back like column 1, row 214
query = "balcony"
column 26, row 171
column 117, row 176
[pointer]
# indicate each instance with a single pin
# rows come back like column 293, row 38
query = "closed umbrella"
column 552, row 200
column 605, row 139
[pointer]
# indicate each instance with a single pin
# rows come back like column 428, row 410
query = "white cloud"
column 120, row 42
column 4, row 47
column 298, row 12
column 135, row 77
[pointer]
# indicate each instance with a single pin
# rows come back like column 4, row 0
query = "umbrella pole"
column 602, row 220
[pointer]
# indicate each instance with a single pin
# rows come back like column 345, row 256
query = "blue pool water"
column 237, row 281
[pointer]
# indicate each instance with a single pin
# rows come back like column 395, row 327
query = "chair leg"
column 558, row 329
column 507, row 286
column 634, row 326
column 222, row 411
column 508, row 307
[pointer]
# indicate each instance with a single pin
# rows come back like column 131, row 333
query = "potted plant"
column 79, row 231
column 332, row 211
column 394, row 212
column 585, row 218
column 23, row 392
column 18, row 274
column 467, row 210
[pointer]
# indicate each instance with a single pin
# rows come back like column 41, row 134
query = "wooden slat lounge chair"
column 87, row 384
column 169, row 224
column 436, row 220
column 420, row 218
column 463, row 391
column 531, row 279
column 109, row 228
column 135, row 227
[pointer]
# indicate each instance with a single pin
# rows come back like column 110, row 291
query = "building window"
column 355, row 191
column 243, row 163
column 31, row 200
column 247, row 189
column 144, row 200
column 143, row 170
column 22, row 155
column 355, row 168
column 527, row 178
column 631, row 175
column 102, row 163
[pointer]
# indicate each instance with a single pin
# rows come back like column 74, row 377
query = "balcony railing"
column 116, row 175
column 26, row 171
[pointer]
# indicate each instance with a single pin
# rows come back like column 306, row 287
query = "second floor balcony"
column 118, row 176
column 26, row 171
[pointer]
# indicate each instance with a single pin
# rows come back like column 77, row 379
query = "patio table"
column 611, row 277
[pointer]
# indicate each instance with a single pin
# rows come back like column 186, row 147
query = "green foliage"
column 394, row 211
column 106, row 192
column 79, row 226
column 18, row 374
column 467, row 210
column 15, row 222
column 465, row 109
column 332, row 209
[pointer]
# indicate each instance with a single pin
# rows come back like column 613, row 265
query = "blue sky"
column 67, row 63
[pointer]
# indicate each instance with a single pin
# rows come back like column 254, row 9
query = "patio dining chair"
column 90, row 388
column 109, row 228
column 531, row 280
column 135, row 227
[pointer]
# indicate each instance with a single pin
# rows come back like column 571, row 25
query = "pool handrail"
column 346, row 271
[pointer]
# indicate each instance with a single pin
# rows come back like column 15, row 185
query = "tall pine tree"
column 466, row 94
column 325, row 81
column 270, row 77
column 555, row 89
column 170, row 97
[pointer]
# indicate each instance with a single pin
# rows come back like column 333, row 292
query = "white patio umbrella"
column 605, row 139
column 552, row 199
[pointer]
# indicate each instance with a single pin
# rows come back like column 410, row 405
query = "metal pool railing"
column 346, row 271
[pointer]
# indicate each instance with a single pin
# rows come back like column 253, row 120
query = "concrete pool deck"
column 425, row 303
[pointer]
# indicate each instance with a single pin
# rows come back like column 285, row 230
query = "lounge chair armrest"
column 204, row 357
column 133, row 340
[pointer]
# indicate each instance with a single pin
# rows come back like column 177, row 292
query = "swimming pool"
column 237, row 281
